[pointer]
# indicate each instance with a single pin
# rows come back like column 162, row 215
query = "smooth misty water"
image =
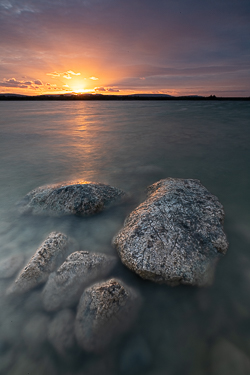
column 181, row 330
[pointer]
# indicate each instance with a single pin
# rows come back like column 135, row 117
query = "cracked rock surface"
column 46, row 259
column 176, row 235
column 105, row 311
column 78, row 198
column 65, row 286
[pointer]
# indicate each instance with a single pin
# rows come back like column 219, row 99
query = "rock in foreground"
column 81, row 269
column 176, row 235
column 78, row 198
column 105, row 311
column 46, row 259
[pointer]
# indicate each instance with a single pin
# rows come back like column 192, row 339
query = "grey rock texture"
column 176, row 235
column 46, row 259
column 61, row 332
column 65, row 286
column 105, row 311
column 11, row 265
column 78, row 198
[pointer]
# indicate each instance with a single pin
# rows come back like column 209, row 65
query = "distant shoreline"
column 88, row 97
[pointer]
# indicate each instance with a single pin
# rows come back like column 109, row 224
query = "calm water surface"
column 181, row 330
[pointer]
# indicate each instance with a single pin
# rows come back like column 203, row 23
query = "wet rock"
column 61, row 332
column 227, row 359
column 46, row 259
column 65, row 286
column 78, row 198
column 105, row 311
column 11, row 265
column 136, row 357
column 175, row 236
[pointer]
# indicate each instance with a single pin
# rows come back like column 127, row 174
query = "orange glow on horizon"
column 78, row 87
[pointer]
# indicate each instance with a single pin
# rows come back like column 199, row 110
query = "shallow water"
column 181, row 330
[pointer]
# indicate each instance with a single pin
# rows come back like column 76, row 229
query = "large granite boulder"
column 46, row 259
column 65, row 286
column 105, row 311
column 78, row 198
column 61, row 333
column 176, row 235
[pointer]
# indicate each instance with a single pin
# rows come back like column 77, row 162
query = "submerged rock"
column 176, row 235
column 78, row 198
column 81, row 269
column 11, row 265
column 61, row 332
column 105, row 311
column 35, row 331
column 46, row 259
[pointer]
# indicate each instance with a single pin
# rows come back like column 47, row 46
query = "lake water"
column 130, row 145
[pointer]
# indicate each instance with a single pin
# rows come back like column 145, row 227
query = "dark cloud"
column 38, row 82
column 101, row 89
column 106, row 89
column 113, row 90
column 13, row 82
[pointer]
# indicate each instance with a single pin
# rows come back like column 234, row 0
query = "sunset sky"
column 177, row 47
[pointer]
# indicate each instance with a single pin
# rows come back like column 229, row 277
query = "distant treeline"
column 113, row 97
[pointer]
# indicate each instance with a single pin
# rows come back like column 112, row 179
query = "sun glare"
column 77, row 87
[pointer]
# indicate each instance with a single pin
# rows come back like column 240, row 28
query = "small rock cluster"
column 105, row 309
column 175, row 237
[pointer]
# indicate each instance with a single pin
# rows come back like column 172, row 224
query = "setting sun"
column 77, row 86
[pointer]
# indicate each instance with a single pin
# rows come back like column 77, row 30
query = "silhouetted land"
column 114, row 97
